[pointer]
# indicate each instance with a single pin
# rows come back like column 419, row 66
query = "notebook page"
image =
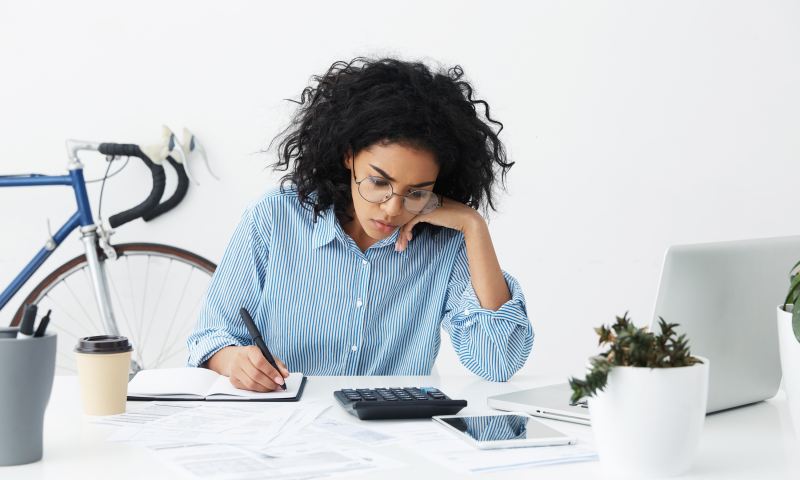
column 172, row 381
column 222, row 388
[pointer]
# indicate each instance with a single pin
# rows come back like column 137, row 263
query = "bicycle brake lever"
column 192, row 145
column 174, row 145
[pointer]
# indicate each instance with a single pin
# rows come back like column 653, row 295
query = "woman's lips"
column 383, row 227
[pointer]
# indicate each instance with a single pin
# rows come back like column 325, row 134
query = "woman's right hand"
column 248, row 369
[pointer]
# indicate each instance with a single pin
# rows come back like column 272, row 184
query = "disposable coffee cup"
column 103, row 364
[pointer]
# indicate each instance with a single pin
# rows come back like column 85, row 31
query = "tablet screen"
column 490, row 428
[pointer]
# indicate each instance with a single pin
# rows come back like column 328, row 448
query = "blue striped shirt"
column 324, row 307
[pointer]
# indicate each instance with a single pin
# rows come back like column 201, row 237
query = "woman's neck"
column 354, row 229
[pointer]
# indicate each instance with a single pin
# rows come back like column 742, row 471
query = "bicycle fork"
column 99, row 279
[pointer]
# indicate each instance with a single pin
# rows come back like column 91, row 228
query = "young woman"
column 374, row 241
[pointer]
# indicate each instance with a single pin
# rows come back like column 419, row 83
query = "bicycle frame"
column 81, row 219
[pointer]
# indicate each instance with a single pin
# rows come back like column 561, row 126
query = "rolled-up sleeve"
column 238, row 282
column 492, row 344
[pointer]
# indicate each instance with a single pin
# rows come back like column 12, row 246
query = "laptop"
column 724, row 296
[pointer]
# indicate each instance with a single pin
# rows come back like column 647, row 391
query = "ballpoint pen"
column 43, row 325
column 256, row 336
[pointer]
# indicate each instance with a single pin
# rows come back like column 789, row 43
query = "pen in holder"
column 27, row 366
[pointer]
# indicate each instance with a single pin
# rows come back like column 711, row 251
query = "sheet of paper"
column 147, row 413
column 229, row 423
column 440, row 446
column 296, row 461
column 353, row 431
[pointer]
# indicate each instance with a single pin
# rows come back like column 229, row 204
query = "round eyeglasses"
column 379, row 190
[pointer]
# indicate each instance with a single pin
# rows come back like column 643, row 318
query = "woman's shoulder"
column 278, row 203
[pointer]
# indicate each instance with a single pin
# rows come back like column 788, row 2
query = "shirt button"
column 359, row 303
column 354, row 348
column 364, row 262
column 466, row 311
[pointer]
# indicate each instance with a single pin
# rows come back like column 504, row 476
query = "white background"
column 634, row 125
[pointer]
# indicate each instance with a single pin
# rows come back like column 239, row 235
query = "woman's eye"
column 379, row 182
column 417, row 194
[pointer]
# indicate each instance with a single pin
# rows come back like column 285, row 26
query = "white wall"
column 634, row 124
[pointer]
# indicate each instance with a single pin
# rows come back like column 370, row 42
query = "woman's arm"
column 220, row 341
column 484, row 311
column 487, row 277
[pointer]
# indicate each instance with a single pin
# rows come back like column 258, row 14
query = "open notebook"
column 204, row 384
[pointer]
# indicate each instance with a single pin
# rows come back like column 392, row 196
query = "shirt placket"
column 360, row 314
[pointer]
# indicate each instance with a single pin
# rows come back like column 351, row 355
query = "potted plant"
column 789, row 340
column 647, row 399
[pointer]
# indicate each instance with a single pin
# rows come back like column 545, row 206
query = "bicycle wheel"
column 156, row 291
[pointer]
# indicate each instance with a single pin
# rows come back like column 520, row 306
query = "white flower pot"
column 790, row 357
column 647, row 422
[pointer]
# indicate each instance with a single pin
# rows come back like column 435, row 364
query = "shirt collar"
column 327, row 228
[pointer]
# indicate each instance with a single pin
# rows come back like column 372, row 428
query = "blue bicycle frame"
column 81, row 218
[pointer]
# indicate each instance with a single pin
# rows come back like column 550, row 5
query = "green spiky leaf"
column 627, row 345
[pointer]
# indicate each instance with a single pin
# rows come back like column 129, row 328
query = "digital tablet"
column 508, row 430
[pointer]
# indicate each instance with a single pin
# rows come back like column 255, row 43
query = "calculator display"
column 490, row 428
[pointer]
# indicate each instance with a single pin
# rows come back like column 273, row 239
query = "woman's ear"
column 348, row 159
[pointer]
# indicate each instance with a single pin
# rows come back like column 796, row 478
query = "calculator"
column 389, row 403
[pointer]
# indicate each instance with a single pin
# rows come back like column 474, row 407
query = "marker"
column 28, row 318
column 256, row 336
column 43, row 325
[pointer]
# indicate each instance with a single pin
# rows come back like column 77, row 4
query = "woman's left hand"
column 451, row 214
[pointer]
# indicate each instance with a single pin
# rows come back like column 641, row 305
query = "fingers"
column 264, row 368
column 282, row 368
column 405, row 235
column 250, row 378
column 251, row 371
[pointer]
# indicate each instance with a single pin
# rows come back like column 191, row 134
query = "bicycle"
column 117, row 278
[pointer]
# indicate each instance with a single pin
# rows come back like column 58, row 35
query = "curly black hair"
column 365, row 102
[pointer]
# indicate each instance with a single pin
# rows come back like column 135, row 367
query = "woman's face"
column 404, row 168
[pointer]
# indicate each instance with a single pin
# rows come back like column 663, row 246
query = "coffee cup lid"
column 103, row 344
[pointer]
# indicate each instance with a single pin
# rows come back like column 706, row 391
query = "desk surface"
column 757, row 441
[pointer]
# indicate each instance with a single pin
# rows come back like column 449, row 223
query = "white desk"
column 754, row 442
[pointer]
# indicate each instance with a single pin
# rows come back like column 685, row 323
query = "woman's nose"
column 394, row 206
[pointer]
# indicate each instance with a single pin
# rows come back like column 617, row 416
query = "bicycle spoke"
column 64, row 365
column 137, row 351
column 155, row 316
column 80, row 305
column 89, row 327
column 144, row 297
column 185, row 321
column 171, row 354
column 177, row 307
column 59, row 325
column 155, row 301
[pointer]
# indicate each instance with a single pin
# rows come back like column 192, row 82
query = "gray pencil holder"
column 26, row 378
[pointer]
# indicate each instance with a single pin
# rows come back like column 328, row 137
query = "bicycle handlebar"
column 177, row 196
column 159, row 181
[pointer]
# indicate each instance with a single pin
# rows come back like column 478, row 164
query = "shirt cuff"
column 514, row 310
column 207, row 344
